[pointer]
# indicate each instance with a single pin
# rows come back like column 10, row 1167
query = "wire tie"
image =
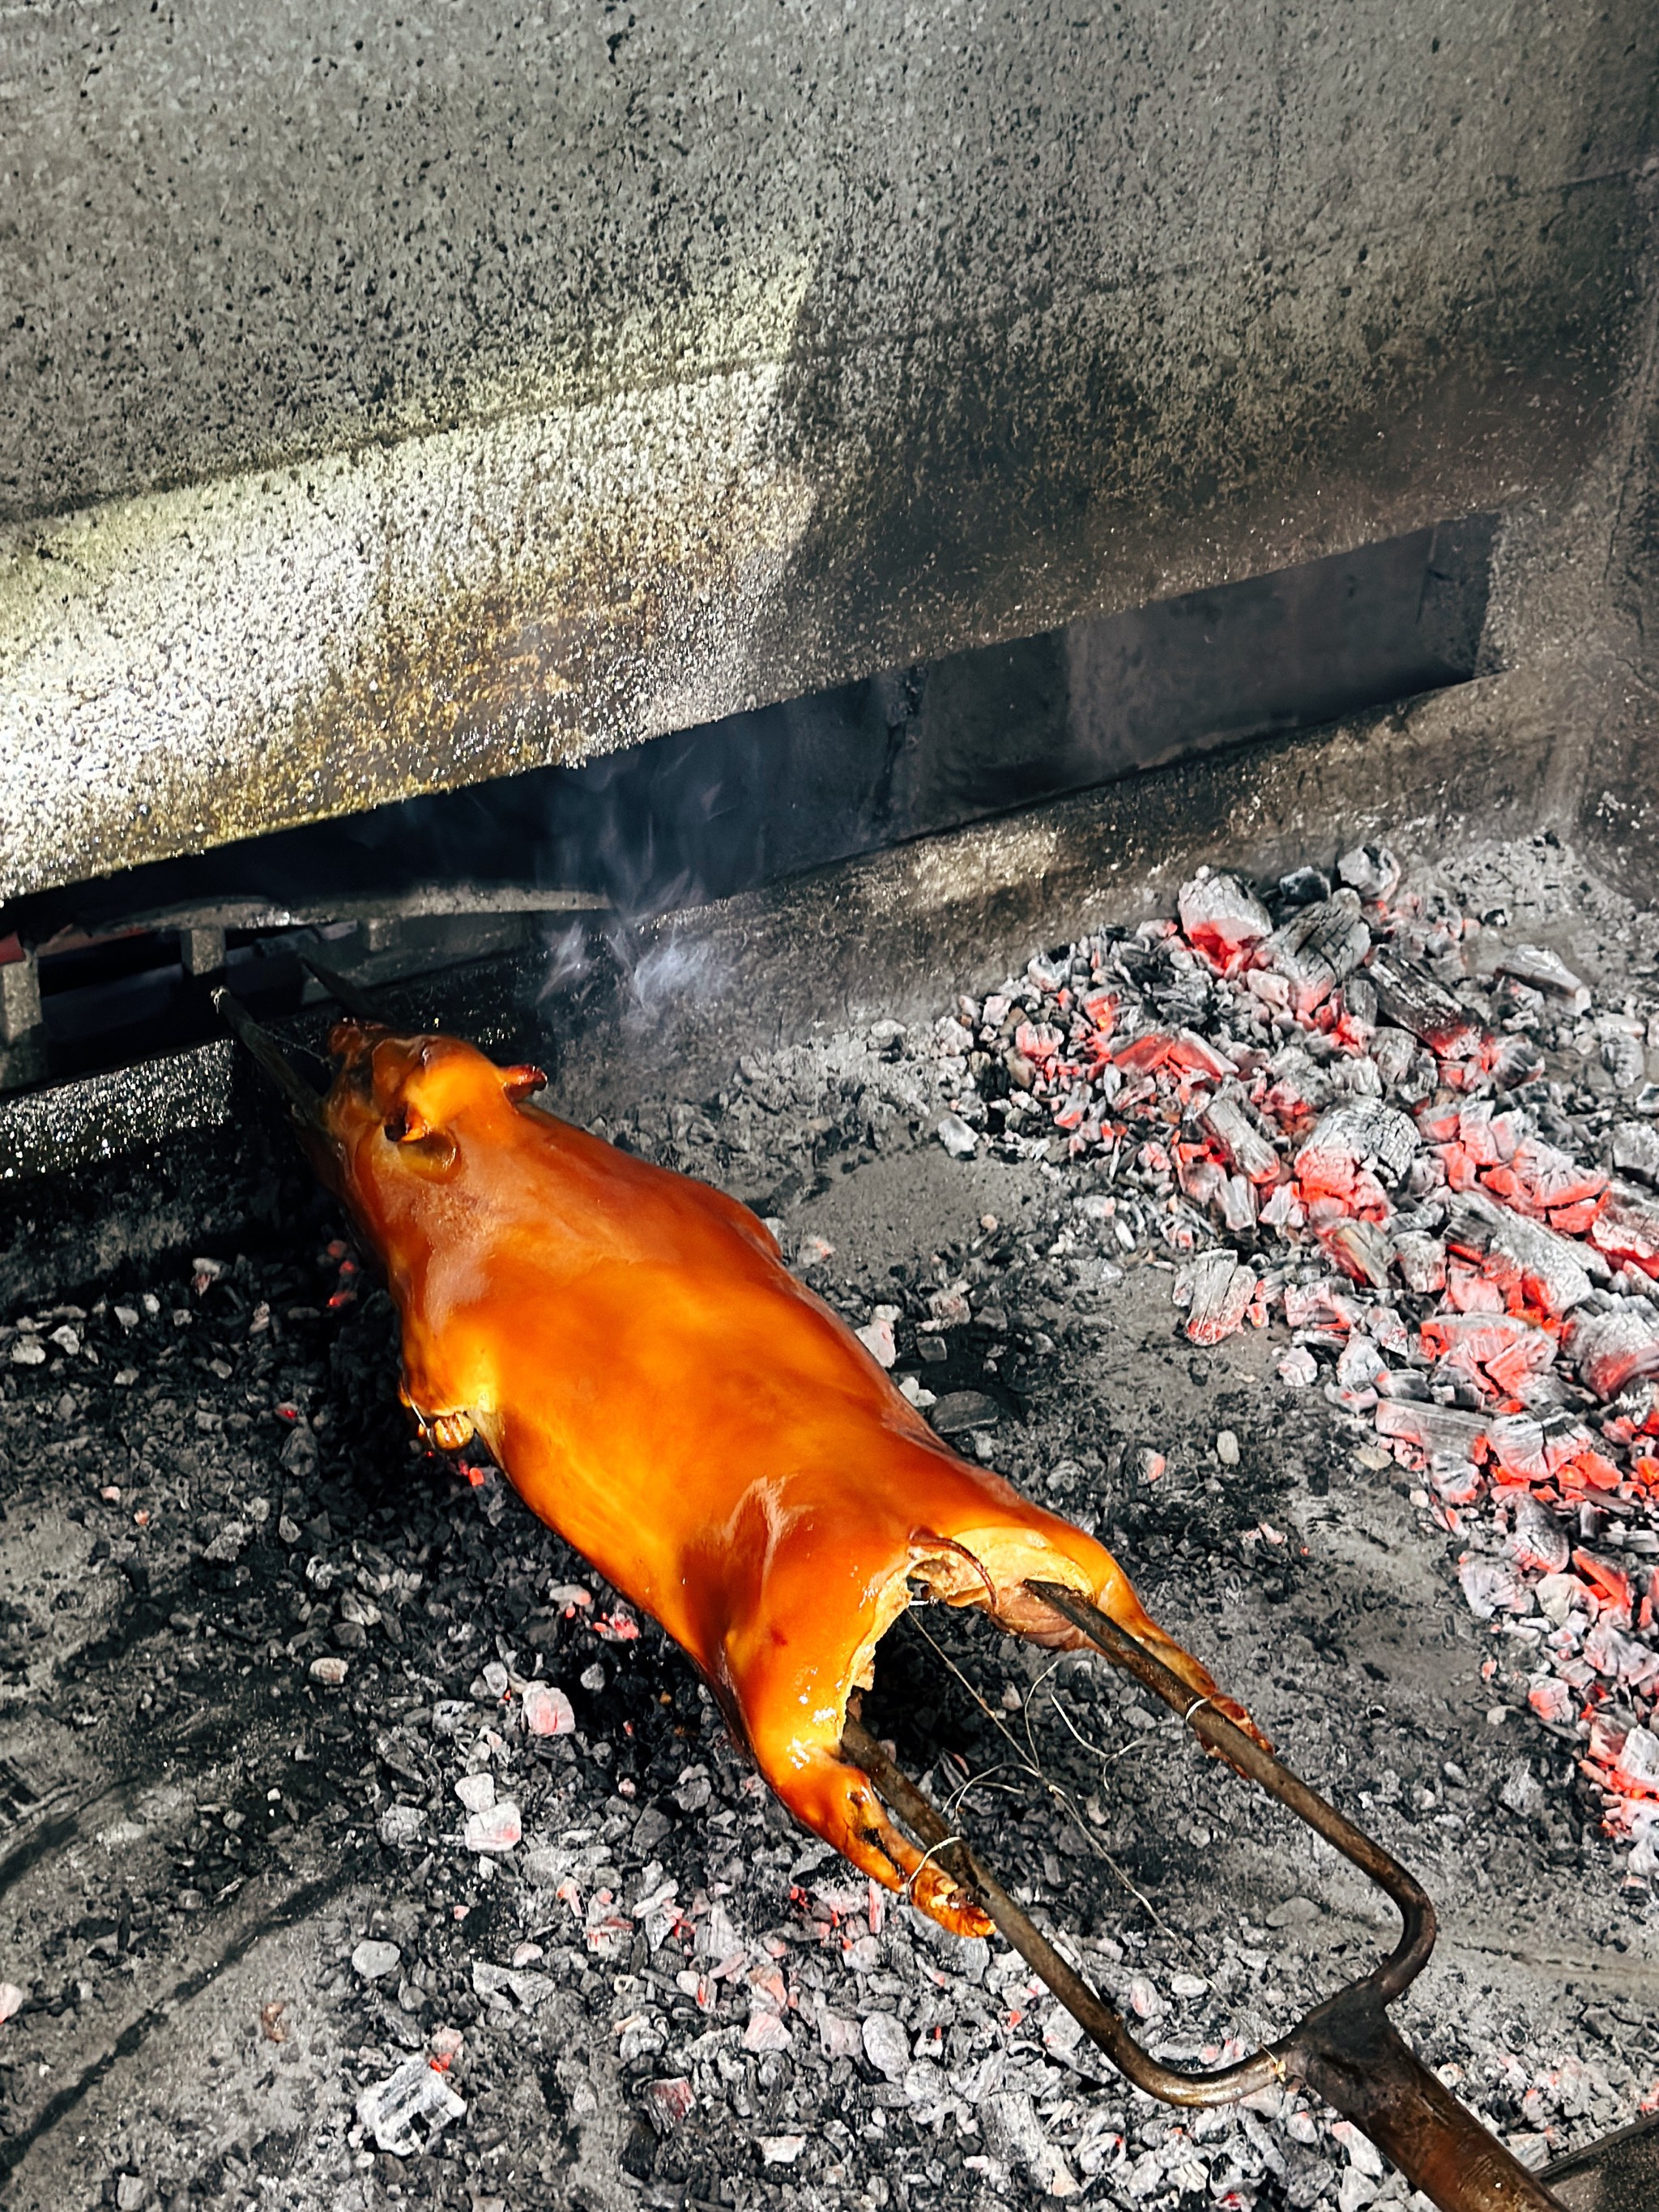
column 920, row 1867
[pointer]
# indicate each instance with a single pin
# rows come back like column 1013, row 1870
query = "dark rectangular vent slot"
column 737, row 803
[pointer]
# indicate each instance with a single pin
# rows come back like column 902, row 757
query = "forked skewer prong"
column 1098, row 2020
column 344, row 993
column 303, row 1102
column 1346, row 2050
column 1248, row 1758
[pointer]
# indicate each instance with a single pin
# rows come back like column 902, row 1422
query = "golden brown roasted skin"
column 661, row 1390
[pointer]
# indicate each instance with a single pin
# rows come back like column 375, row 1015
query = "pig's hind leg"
column 837, row 1800
column 1026, row 1614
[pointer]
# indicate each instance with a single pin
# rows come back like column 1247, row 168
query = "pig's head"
column 402, row 1109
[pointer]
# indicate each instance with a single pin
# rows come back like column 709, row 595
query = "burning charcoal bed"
column 363, row 1847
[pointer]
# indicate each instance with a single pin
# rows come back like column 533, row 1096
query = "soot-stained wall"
column 394, row 400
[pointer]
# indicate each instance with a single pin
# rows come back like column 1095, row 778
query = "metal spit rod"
column 1346, row 2050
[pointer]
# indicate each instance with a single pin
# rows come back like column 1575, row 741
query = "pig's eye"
column 404, row 1128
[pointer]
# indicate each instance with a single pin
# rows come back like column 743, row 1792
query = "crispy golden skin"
column 661, row 1390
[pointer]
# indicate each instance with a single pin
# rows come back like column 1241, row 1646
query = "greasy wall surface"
column 396, row 400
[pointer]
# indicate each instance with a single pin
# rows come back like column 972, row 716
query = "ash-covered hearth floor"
column 281, row 1815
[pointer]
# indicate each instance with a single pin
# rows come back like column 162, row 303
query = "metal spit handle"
column 1346, row 2050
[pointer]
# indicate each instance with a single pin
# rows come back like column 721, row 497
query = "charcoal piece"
column 667, row 2102
column 1494, row 1340
column 1517, row 1444
column 1199, row 1056
column 1218, row 1290
column 1360, row 1005
column 1492, row 1586
column 1371, row 870
column 1538, row 1540
column 1518, row 1254
column 960, row 1412
column 1304, row 887
column 1441, row 1432
column 1628, row 1231
column 1178, row 987
column 1403, row 1383
column 1421, row 1261
column 1283, row 1208
column 1140, row 1054
column 1622, row 1053
column 1354, row 1137
column 1014, row 2132
column 1314, row 1305
column 957, row 1138
column 1392, row 1052
column 1363, row 1081
column 1410, row 998
column 1359, row 1364
column 1300, row 1085
column 1317, row 948
column 1540, row 970
column 1516, row 1060
column 1237, row 1196
column 1613, row 1349
column 638, row 2156
column 1620, row 1657
column 1201, row 1180
column 1132, row 960
column 1455, row 1481
column 1228, row 1121
column 1360, row 1249
column 1221, row 915
column 1636, row 1150
column 405, row 2110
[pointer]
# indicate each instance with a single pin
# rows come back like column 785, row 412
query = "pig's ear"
column 421, row 1107
column 521, row 1083
column 351, row 1041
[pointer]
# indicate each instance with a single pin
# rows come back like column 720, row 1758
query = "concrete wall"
column 391, row 401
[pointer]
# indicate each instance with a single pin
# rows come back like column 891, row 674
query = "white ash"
column 1490, row 1195
column 660, row 1979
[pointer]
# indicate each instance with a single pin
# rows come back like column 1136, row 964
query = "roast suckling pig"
column 657, row 1386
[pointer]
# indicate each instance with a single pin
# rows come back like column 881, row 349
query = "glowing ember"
column 1337, row 1091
